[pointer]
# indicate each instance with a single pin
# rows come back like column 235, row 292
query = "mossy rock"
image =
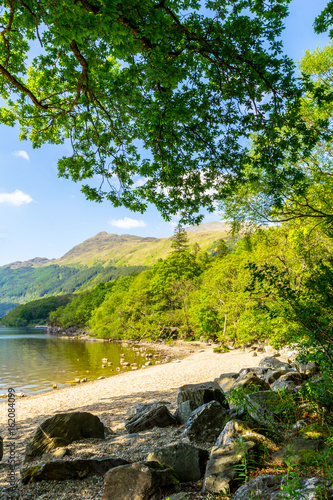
column 310, row 458
column 314, row 431
column 221, row 349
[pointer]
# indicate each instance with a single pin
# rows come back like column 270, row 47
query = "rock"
column 221, row 468
column 142, row 407
column 184, row 411
column 61, row 470
column 236, row 429
column 83, row 380
column 156, row 416
column 179, row 496
column 100, row 378
column 251, row 379
column 259, row 371
column 206, row 422
column 54, row 454
column 295, row 447
column 139, row 481
column 271, row 350
column 272, row 375
column 1, row 448
column 188, row 462
column 202, row 394
column 61, row 430
column 226, row 380
column 236, row 440
column 276, row 364
column 288, row 381
column 267, row 486
column 309, row 369
column 262, row 407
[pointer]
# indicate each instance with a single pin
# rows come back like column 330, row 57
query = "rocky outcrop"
column 61, row 470
column 201, row 394
column 188, row 461
column 156, row 415
column 139, row 481
column 276, row 364
column 206, row 422
column 61, row 430
column 249, row 379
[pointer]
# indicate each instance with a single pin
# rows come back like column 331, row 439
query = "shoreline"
column 110, row 399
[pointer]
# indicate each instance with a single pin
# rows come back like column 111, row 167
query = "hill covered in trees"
column 103, row 258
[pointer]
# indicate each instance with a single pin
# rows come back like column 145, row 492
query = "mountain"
column 101, row 258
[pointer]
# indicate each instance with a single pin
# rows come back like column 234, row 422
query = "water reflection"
column 32, row 361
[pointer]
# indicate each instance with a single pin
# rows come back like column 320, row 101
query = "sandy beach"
column 110, row 399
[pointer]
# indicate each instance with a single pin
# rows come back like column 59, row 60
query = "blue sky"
column 43, row 216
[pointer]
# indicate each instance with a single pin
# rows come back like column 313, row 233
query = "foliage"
column 28, row 283
column 179, row 241
column 34, row 313
column 169, row 92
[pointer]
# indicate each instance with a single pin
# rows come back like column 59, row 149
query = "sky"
column 44, row 216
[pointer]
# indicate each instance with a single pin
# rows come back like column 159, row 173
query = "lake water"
column 32, row 361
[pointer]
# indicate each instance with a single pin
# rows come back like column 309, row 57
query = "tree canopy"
column 163, row 96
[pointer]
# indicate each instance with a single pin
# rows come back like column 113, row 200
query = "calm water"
column 32, row 361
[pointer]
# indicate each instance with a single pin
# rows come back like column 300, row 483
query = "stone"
column 206, row 422
column 221, row 468
column 309, row 369
column 156, row 415
column 202, row 394
column 262, row 407
column 226, row 380
column 61, row 430
column 188, row 461
column 288, row 381
column 269, row 487
column 271, row 350
column 1, row 448
column 251, row 379
column 139, row 481
column 272, row 375
column 54, row 454
column 62, row 470
column 295, row 447
column 236, row 440
column 179, row 496
column 236, row 429
column 184, row 411
column 259, row 371
column 276, row 364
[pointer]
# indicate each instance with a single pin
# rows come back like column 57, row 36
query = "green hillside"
column 101, row 258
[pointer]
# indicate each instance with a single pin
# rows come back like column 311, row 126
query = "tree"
column 168, row 91
column 179, row 241
column 221, row 250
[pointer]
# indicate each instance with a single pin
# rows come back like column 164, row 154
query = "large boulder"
column 206, row 422
column 237, row 429
column 295, row 448
column 267, row 486
column 157, row 415
column 222, row 465
column 226, row 380
column 263, row 407
column 139, row 481
column 288, row 381
column 184, row 411
column 188, row 461
column 235, row 442
column 61, row 470
column 251, row 379
column 201, row 394
column 276, row 364
column 61, row 430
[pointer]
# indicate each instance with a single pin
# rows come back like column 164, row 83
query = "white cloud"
column 17, row 198
column 127, row 223
column 22, row 154
column 140, row 182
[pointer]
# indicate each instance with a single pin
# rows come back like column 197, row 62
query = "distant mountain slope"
column 101, row 258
